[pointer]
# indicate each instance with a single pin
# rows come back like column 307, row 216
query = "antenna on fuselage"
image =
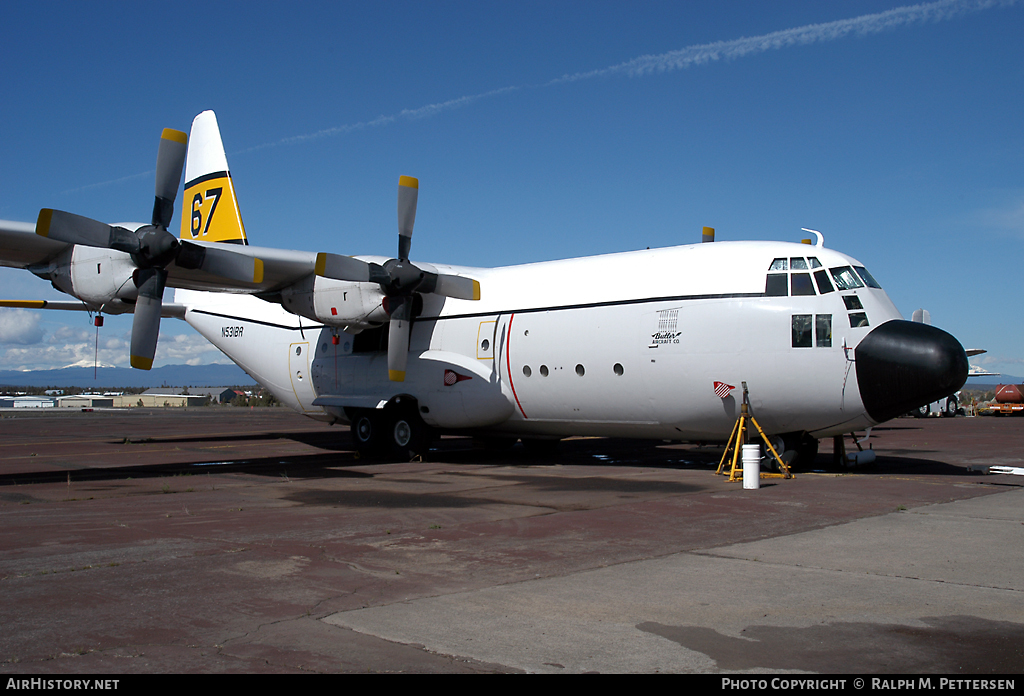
column 817, row 234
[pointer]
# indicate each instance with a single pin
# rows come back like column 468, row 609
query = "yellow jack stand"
column 739, row 437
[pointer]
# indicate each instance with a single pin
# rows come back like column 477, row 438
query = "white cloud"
column 20, row 327
column 69, row 345
column 1008, row 218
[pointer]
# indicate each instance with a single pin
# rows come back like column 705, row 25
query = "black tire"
column 800, row 450
column 951, row 407
column 922, row 411
column 408, row 436
column 367, row 435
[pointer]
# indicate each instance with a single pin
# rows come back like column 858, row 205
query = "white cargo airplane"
column 643, row 344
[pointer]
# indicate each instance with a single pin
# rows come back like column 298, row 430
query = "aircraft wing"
column 169, row 309
column 21, row 247
column 278, row 268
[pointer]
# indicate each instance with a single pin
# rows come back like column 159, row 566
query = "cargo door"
column 298, row 371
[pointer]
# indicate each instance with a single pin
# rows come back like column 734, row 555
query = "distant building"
column 86, row 401
column 27, row 402
column 219, row 395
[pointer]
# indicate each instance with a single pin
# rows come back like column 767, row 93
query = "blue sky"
column 539, row 130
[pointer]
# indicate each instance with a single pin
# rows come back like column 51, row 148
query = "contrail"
column 864, row 25
column 700, row 54
column 406, row 114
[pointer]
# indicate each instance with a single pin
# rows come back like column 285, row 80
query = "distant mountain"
column 112, row 377
column 973, row 382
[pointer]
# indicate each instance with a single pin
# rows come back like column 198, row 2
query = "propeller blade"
column 76, row 229
column 408, row 192
column 146, row 324
column 459, row 287
column 225, row 263
column 170, row 160
column 340, row 267
column 398, row 338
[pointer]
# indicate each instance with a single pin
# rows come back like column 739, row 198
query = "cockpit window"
column 815, row 263
column 824, row 284
column 779, row 265
column 801, row 283
column 867, row 278
column 776, row 285
column 798, row 264
column 845, row 278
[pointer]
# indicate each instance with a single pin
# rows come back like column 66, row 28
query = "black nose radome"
column 902, row 365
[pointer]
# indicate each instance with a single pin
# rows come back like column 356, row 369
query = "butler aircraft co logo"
column 668, row 320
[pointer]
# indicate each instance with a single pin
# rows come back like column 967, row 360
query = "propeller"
column 400, row 279
column 152, row 248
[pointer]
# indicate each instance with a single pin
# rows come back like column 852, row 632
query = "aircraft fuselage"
column 629, row 344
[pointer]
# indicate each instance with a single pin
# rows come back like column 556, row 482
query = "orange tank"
column 1010, row 393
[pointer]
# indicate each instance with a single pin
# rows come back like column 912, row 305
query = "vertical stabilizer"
column 209, row 207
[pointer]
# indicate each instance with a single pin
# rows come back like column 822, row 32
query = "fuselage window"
column 777, row 284
column 797, row 264
column 858, row 319
column 779, row 265
column 852, row 302
column 802, row 284
column 815, row 263
column 823, row 330
column 845, row 278
column 802, row 330
column 867, row 277
column 824, row 284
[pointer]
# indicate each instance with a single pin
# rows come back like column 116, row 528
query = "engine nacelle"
column 99, row 277
column 356, row 306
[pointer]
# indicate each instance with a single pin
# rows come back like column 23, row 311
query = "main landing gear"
column 396, row 431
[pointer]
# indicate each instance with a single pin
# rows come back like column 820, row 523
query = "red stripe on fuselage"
column 508, row 365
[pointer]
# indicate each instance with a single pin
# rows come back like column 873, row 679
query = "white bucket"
column 751, row 467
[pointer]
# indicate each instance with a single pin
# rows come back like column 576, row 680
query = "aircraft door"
column 298, row 371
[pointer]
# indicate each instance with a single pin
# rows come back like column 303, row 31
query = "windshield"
column 845, row 278
column 867, row 277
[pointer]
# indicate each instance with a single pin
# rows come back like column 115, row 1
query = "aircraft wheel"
column 921, row 412
column 366, row 434
column 951, row 406
column 409, row 435
column 801, row 450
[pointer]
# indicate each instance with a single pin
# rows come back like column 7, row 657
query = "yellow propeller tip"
column 43, row 222
column 175, row 135
column 396, row 375
column 408, row 181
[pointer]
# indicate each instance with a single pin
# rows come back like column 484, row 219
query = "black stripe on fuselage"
column 533, row 310
column 607, row 303
column 258, row 321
